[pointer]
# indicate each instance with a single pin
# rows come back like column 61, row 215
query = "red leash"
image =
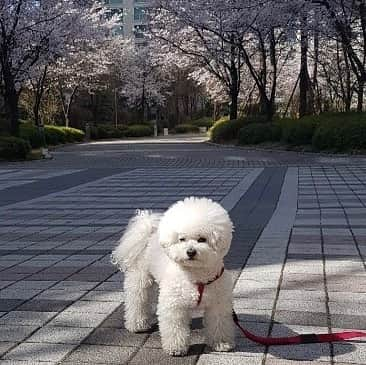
column 293, row 340
column 299, row 339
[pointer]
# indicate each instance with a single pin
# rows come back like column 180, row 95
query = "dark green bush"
column 139, row 130
column 73, row 134
column 299, row 132
column 225, row 130
column 186, row 128
column 256, row 119
column 258, row 133
column 14, row 148
column 104, row 131
column 340, row 135
column 207, row 122
column 30, row 133
column 54, row 135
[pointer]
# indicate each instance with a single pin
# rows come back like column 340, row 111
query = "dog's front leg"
column 174, row 324
column 220, row 326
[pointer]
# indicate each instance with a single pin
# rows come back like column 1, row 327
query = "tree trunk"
column 360, row 95
column 235, row 83
column 305, row 106
column 234, row 104
column 11, row 98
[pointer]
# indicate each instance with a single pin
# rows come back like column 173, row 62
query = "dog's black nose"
column 191, row 252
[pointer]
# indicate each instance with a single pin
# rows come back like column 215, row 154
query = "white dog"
column 182, row 251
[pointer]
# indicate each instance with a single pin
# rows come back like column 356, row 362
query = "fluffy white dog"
column 182, row 252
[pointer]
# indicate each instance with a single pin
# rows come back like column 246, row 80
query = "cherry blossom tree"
column 33, row 35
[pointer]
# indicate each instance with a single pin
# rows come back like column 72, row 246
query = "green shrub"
column 73, row 134
column 225, row 130
column 104, row 131
column 30, row 133
column 256, row 119
column 14, row 148
column 299, row 132
column 139, row 130
column 186, row 128
column 258, row 133
column 54, row 135
column 340, row 135
column 207, row 122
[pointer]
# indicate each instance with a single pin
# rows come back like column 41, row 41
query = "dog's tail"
column 135, row 239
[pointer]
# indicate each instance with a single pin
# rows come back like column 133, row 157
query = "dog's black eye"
column 202, row 239
column 182, row 239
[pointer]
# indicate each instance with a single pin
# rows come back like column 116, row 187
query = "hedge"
column 53, row 135
column 207, row 122
column 186, row 128
column 30, row 133
column 139, row 130
column 299, row 132
column 340, row 136
column 259, row 133
column 225, row 130
column 14, row 148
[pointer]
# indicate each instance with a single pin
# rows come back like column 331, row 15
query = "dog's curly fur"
column 176, row 250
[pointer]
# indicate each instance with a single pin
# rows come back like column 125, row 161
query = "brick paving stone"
column 26, row 318
column 115, row 337
column 5, row 346
column 9, row 304
column 354, row 353
column 97, row 354
column 44, row 305
column 229, row 359
column 61, row 335
column 290, row 362
column 15, row 333
column 77, row 319
column 39, row 352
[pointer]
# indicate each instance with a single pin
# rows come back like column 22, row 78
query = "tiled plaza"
column 298, row 254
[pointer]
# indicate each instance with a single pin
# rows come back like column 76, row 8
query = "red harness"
column 294, row 340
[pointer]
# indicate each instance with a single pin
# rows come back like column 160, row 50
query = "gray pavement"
column 298, row 254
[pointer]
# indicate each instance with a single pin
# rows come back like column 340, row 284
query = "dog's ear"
column 167, row 238
column 221, row 241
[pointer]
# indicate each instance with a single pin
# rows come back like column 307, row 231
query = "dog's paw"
column 139, row 327
column 223, row 346
column 177, row 352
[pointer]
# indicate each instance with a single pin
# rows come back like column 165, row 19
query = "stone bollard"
column 166, row 132
column 87, row 132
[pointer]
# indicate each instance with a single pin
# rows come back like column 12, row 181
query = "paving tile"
column 348, row 321
column 62, row 335
column 10, row 293
column 15, row 333
column 44, row 305
column 115, row 337
column 155, row 356
column 77, row 319
column 290, row 362
column 5, row 346
column 229, row 359
column 7, row 305
column 97, row 354
column 39, row 352
column 26, row 318
column 82, row 306
column 354, row 353
column 301, row 318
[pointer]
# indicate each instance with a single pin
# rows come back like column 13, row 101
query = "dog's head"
column 196, row 232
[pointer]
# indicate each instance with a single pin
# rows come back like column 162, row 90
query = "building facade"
column 132, row 14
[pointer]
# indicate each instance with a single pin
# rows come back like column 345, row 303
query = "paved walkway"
column 297, row 256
